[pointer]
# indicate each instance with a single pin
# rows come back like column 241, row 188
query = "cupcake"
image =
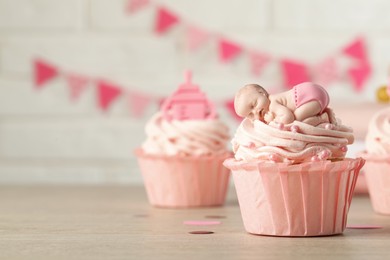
column 377, row 156
column 181, row 159
column 289, row 167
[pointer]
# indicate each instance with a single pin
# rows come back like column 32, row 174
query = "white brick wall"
column 45, row 138
column 25, row 15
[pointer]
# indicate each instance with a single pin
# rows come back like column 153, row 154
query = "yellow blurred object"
column 381, row 94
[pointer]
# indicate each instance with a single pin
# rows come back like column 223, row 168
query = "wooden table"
column 117, row 222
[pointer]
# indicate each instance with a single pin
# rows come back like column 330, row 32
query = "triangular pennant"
column 165, row 19
column 294, row 72
column 359, row 75
column 229, row 105
column 43, row 72
column 77, row 84
column 326, row 71
column 258, row 61
column 135, row 5
column 196, row 37
column 107, row 93
column 356, row 49
column 138, row 103
column 228, row 50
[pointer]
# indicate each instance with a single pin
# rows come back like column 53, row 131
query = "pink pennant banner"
column 138, row 103
column 43, row 72
column 359, row 75
column 258, row 61
column 356, row 49
column 196, row 37
column 135, row 5
column 229, row 105
column 77, row 85
column 361, row 70
column 326, row 71
column 228, row 50
column 165, row 19
column 294, row 72
column 107, row 93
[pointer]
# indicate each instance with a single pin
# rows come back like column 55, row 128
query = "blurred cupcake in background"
column 377, row 155
column 181, row 159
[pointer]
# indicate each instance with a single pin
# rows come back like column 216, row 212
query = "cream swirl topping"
column 293, row 143
column 378, row 135
column 186, row 137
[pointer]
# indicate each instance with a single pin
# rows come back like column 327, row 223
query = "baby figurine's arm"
column 282, row 114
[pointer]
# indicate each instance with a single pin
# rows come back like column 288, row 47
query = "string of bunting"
column 294, row 71
column 107, row 91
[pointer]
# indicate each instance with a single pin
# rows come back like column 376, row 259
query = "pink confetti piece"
column 364, row 227
column 201, row 223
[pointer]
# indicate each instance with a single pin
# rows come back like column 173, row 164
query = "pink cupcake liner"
column 308, row 199
column 377, row 174
column 179, row 182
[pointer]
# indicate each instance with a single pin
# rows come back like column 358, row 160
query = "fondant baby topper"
column 306, row 102
column 188, row 103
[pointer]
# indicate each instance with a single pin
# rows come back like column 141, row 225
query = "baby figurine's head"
column 252, row 102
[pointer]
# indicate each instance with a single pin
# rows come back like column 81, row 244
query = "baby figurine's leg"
column 309, row 109
column 331, row 115
column 317, row 120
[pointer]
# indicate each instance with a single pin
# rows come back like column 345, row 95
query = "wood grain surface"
column 75, row 222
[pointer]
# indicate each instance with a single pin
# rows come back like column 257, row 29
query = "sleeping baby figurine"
column 306, row 102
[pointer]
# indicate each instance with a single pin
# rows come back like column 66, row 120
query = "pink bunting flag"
column 258, row 61
column 229, row 105
column 77, row 84
column 359, row 75
column 326, row 71
column 196, row 37
column 138, row 103
column 360, row 71
column 228, row 50
column 107, row 93
column 356, row 49
column 135, row 5
column 165, row 19
column 43, row 72
column 294, row 72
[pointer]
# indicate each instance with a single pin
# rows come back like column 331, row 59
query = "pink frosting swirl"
column 293, row 143
column 186, row 137
column 378, row 135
